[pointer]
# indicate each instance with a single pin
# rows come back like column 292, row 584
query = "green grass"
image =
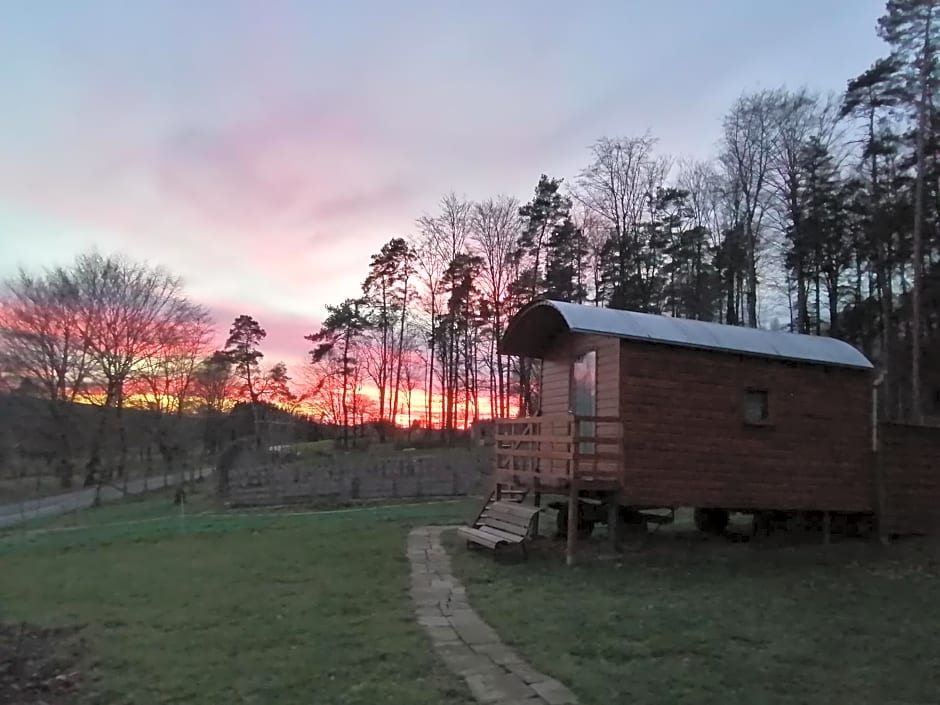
column 266, row 608
column 686, row 621
column 324, row 447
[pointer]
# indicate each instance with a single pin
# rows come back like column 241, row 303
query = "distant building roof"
column 530, row 331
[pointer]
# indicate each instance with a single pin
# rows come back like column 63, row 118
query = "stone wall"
column 253, row 480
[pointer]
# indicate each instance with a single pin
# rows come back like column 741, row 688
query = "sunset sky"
column 263, row 150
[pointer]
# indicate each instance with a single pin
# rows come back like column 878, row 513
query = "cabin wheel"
column 585, row 526
column 711, row 521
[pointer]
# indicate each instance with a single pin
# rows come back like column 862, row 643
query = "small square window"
column 757, row 407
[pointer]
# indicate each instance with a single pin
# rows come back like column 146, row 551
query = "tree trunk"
column 922, row 126
column 833, row 291
column 802, row 298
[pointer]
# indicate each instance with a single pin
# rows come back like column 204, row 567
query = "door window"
column 584, row 395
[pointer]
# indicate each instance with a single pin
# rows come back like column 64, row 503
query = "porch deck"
column 559, row 451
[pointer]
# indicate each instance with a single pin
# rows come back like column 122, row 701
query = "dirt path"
column 495, row 674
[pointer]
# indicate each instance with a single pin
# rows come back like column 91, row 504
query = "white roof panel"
column 711, row 336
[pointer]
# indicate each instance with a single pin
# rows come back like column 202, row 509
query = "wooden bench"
column 501, row 523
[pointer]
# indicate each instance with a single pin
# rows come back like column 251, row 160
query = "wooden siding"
column 686, row 442
column 910, row 463
column 556, row 374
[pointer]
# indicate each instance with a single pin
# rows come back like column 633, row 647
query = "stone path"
column 495, row 674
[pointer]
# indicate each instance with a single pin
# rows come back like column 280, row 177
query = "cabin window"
column 584, row 394
column 757, row 407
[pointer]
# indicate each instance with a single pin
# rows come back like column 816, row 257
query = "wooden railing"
column 560, row 447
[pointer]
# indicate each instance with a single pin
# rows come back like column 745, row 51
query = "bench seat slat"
column 478, row 536
column 507, row 517
column 516, row 509
column 501, row 535
column 510, row 528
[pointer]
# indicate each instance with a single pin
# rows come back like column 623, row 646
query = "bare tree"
column 615, row 187
column 124, row 306
column 441, row 239
column 748, row 145
column 44, row 344
column 496, row 229
column 165, row 381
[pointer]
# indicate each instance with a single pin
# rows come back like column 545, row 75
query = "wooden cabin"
column 660, row 412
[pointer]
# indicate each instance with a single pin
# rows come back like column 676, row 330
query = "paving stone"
column 475, row 665
column 421, row 581
column 443, row 635
column 476, row 634
column 432, row 611
column 554, row 693
column 428, row 596
column 498, row 652
column 526, row 672
column 456, row 653
column 466, row 619
column 491, row 688
column 454, row 605
column 437, row 620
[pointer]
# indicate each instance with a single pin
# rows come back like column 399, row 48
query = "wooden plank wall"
column 911, row 469
column 556, row 374
column 686, row 442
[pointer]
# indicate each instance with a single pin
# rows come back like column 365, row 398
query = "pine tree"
column 542, row 218
column 336, row 342
column 387, row 291
column 912, row 28
column 565, row 256
column 241, row 348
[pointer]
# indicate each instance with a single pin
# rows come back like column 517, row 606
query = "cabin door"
column 584, row 396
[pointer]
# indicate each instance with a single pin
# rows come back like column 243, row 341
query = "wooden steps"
column 505, row 493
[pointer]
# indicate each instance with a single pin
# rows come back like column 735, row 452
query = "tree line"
column 817, row 214
column 112, row 334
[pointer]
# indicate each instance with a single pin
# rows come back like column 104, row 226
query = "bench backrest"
column 510, row 517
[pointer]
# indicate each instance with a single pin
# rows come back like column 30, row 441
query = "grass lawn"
column 686, row 620
column 210, row 609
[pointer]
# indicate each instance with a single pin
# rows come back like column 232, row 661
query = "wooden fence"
column 265, row 481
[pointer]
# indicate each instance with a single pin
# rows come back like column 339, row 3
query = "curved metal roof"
column 520, row 336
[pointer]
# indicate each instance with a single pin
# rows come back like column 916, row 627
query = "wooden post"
column 538, row 503
column 572, row 523
column 878, row 468
column 613, row 518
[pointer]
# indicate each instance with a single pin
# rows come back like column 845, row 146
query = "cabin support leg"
column 613, row 517
column 572, row 524
column 535, row 521
column 827, row 527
